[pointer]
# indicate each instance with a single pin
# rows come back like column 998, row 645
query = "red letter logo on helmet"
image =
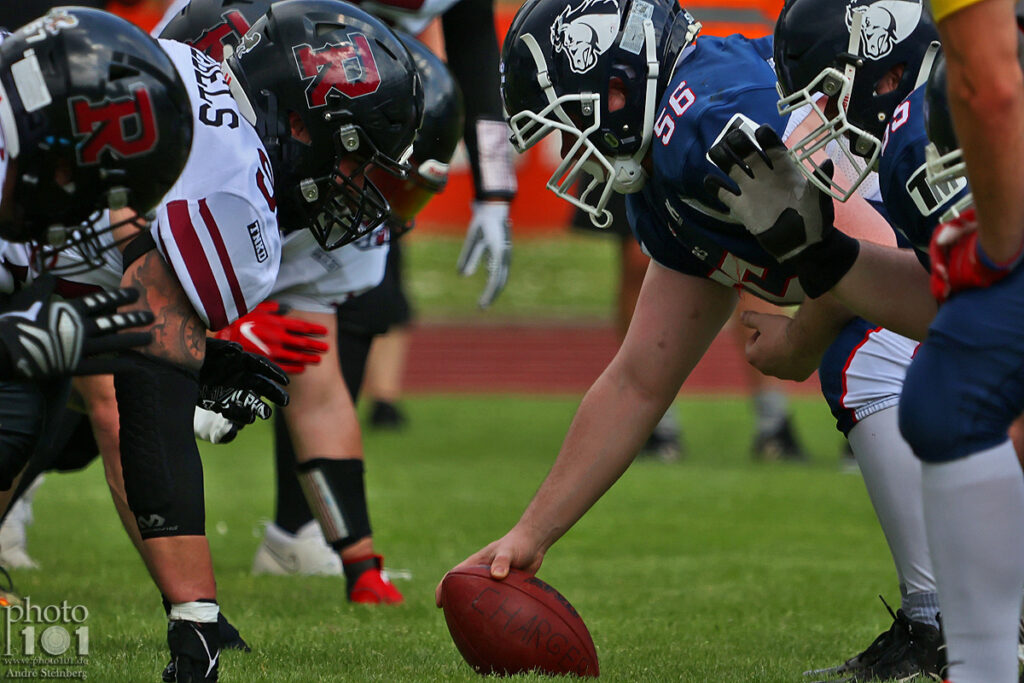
column 348, row 68
column 126, row 127
column 212, row 40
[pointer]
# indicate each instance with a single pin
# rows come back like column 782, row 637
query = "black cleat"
column 195, row 651
column 909, row 649
column 778, row 444
column 387, row 416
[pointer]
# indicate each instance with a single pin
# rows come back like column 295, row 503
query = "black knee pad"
column 163, row 474
column 337, row 497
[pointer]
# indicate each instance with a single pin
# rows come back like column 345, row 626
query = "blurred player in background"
column 642, row 105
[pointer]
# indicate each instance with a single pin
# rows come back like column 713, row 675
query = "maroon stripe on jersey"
column 198, row 266
column 225, row 258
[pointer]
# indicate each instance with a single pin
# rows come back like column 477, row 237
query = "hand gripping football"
column 515, row 625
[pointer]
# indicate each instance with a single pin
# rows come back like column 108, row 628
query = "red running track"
column 536, row 359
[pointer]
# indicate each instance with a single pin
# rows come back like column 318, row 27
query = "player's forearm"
column 179, row 336
column 986, row 90
column 889, row 287
column 608, row 430
column 676, row 318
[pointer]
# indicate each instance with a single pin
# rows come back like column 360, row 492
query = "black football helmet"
column 842, row 49
column 94, row 116
column 351, row 83
column 210, row 26
column 557, row 62
column 435, row 142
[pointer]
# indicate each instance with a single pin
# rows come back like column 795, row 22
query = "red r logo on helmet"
column 347, row 68
column 126, row 127
column 212, row 40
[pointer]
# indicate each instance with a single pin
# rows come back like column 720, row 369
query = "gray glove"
column 775, row 202
column 490, row 232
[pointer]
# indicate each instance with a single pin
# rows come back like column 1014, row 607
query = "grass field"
column 713, row 569
column 572, row 276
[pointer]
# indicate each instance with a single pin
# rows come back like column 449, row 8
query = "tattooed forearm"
column 179, row 336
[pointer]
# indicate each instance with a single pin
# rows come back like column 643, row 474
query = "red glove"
column 287, row 341
column 957, row 260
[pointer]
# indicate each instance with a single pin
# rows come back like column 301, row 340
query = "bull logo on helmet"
column 884, row 24
column 585, row 32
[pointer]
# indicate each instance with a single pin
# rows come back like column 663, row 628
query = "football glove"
column 232, row 381
column 788, row 215
column 957, row 260
column 290, row 342
column 42, row 337
column 490, row 232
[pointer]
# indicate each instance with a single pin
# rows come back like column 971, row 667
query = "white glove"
column 489, row 231
column 213, row 427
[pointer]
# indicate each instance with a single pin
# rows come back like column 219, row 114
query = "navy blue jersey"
column 914, row 207
column 679, row 224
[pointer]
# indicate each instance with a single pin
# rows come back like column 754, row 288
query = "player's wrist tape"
column 821, row 266
column 201, row 611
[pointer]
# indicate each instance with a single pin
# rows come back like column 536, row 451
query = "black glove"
column 232, row 381
column 42, row 337
column 790, row 217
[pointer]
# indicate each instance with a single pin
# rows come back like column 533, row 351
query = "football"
column 516, row 625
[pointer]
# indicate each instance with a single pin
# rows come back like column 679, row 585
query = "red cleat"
column 373, row 587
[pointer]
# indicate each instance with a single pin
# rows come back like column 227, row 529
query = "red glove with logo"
column 269, row 331
column 957, row 260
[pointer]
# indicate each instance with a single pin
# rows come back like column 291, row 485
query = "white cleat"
column 305, row 553
column 13, row 539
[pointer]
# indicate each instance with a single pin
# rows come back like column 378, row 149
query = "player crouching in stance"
column 639, row 105
column 53, row 194
column 209, row 254
column 337, row 99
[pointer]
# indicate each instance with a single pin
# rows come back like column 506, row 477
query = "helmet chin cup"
column 630, row 176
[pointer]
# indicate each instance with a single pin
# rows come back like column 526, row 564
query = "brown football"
column 515, row 625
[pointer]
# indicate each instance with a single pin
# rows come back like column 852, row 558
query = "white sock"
column 892, row 475
column 974, row 512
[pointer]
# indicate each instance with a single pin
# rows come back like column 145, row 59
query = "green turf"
column 713, row 569
column 556, row 277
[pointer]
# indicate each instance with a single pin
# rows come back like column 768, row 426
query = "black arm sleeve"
column 472, row 48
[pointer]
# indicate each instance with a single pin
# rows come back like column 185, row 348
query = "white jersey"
column 316, row 281
column 216, row 227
